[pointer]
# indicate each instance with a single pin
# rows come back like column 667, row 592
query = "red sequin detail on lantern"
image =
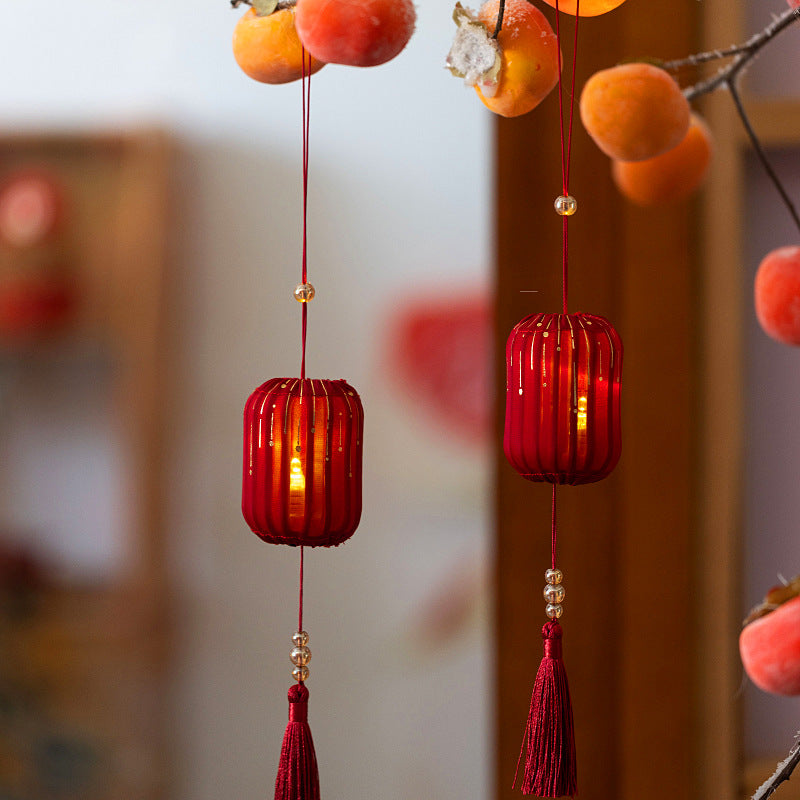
column 302, row 461
column 562, row 398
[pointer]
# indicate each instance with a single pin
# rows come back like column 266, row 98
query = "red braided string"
column 306, row 86
column 566, row 157
column 553, row 531
column 566, row 146
column 300, row 604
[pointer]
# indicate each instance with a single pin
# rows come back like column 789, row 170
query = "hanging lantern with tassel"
column 562, row 426
column 301, row 486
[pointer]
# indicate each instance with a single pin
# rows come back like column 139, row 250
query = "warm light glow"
column 297, row 481
column 582, row 414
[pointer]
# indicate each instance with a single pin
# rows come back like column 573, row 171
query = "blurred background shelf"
column 85, row 620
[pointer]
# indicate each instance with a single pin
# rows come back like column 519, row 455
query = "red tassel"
column 298, row 776
column 550, row 769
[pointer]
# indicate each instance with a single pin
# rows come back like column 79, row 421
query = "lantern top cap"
column 565, row 322
column 307, row 386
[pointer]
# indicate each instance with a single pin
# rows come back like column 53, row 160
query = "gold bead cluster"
column 300, row 656
column 554, row 593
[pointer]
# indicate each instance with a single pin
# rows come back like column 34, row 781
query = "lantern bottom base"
column 303, row 541
column 563, row 478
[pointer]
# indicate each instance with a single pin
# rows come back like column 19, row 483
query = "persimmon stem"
column 759, row 149
column 782, row 773
column 281, row 4
column 500, row 14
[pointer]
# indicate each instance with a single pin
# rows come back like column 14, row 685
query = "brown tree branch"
column 782, row 773
column 760, row 152
column 744, row 54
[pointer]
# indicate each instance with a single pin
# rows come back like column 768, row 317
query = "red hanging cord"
column 566, row 146
column 300, row 604
column 548, row 747
column 298, row 773
column 306, row 87
column 553, row 532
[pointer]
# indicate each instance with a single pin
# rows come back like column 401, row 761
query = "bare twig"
column 782, row 773
column 727, row 78
column 744, row 54
column 759, row 149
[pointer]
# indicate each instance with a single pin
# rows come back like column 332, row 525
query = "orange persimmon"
column 634, row 111
column 671, row 176
column 268, row 48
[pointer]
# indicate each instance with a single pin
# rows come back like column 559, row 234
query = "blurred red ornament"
column 34, row 306
column 437, row 345
column 31, row 208
column 302, row 461
column 563, row 398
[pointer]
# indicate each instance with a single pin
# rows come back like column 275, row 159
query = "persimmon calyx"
column 775, row 598
column 475, row 56
column 264, row 8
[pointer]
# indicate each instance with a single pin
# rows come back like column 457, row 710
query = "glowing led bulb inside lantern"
column 297, row 487
column 297, row 481
column 582, row 415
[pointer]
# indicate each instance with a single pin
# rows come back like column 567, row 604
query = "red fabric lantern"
column 302, row 461
column 563, row 398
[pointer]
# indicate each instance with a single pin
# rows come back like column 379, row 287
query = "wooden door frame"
column 650, row 555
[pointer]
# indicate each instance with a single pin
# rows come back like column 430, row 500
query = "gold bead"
column 300, row 674
column 300, row 656
column 304, row 292
column 553, row 576
column 554, row 610
column 554, row 593
column 300, row 639
column 565, row 205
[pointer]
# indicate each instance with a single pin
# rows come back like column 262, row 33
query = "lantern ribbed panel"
column 302, row 461
column 563, row 398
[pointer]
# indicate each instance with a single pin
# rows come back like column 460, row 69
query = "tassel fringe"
column 298, row 776
column 550, row 768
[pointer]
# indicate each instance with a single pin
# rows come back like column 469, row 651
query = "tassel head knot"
column 552, row 630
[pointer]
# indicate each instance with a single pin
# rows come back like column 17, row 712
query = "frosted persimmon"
column 634, row 111
column 586, row 8
column 515, row 72
column 769, row 643
column 358, row 33
column 671, row 176
column 268, row 49
column 777, row 294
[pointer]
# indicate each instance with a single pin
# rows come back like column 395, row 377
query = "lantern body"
column 563, row 398
column 302, row 461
